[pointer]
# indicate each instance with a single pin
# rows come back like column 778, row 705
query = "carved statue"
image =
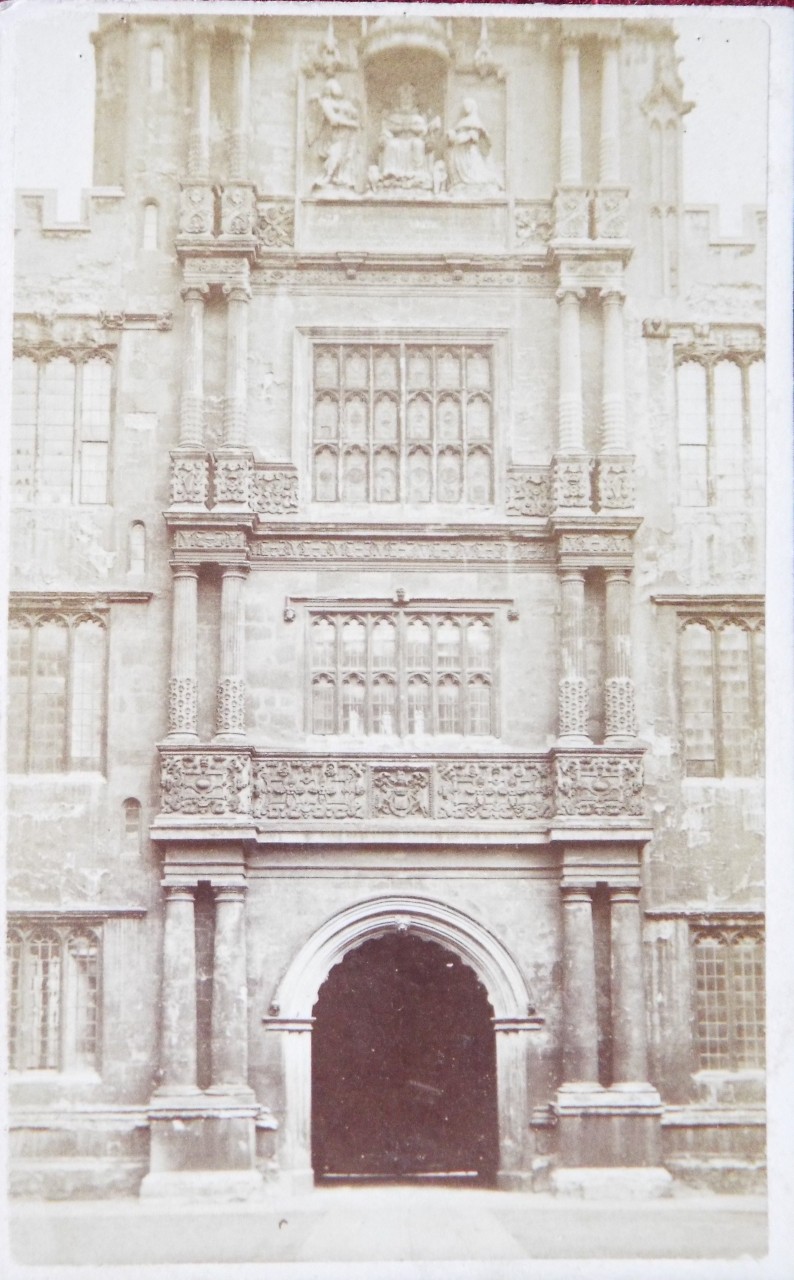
column 469, row 143
column 334, row 125
column 405, row 150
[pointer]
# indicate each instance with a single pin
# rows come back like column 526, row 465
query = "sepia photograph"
column 396, row 439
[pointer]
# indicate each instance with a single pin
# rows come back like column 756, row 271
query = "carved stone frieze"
column 238, row 210
column 275, row 224
column 210, row 539
column 595, row 544
column 400, row 793
column 571, row 482
column 312, row 790
column 274, row 491
column 615, row 483
column 528, row 491
column 503, row 276
column 202, row 271
column 196, row 210
column 189, row 479
column 611, row 214
column 206, row 783
column 598, row 785
column 496, row 790
column 571, row 213
column 534, row 222
column 397, row 550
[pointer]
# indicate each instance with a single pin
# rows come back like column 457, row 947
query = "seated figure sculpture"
column 405, row 146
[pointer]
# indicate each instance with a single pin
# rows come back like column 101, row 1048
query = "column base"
column 629, row 1183
column 202, row 1133
column 574, row 740
column 217, row 1185
column 514, row 1180
column 609, row 1128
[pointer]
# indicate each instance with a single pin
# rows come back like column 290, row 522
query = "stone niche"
column 407, row 145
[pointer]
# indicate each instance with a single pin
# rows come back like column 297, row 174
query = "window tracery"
column 53, row 997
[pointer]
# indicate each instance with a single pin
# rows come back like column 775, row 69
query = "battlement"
column 37, row 210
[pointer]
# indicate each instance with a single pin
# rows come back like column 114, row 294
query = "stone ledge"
column 203, row 1184
column 626, row 1183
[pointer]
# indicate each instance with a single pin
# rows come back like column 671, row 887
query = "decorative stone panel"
column 400, row 793
column 189, row 479
column 571, row 213
column 275, row 224
column 231, row 475
column 611, row 214
column 571, row 482
column 211, row 783
column 196, row 211
column 308, row 790
column 528, row 491
column 534, row 224
column 274, row 491
column 615, row 483
column 482, row 790
column 238, row 211
column 598, row 784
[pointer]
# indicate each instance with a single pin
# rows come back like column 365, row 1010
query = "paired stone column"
column 629, row 1041
column 609, row 143
column 573, row 694
column 571, row 420
column 229, row 993
column 198, row 162
column 619, row 713
column 570, row 117
column 191, row 422
column 238, row 142
column 580, row 1018
column 613, row 399
column 230, row 720
column 178, row 1054
column 182, row 686
column 235, row 413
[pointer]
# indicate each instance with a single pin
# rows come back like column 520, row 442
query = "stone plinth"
column 381, row 225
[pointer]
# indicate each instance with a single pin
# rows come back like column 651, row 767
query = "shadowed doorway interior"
column 403, row 1066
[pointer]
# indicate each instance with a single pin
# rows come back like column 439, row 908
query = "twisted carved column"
column 191, row 425
column 238, row 142
column 580, row 1019
column 620, row 721
column 629, row 1041
column 235, row 413
column 609, row 143
column 231, row 683
column 229, row 992
column 182, row 686
column 198, row 161
column 613, row 400
column 571, row 422
column 178, row 1052
column 570, row 117
column 573, row 696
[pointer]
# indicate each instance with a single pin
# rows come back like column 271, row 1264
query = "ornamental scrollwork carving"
column 606, row 786
column 275, row 225
column 369, row 550
column 309, row 789
column 611, row 214
column 274, row 492
column 619, row 710
column 493, row 790
column 528, row 491
column 573, row 706
column 238, row 211
column 595, row 544
column 615, row 483
column 400, row 793
column 534, row 223
column 189, row 481
column 212, row 784
column 230, row 479
column 210, row 539
column 571, row 214
column 230, row 716
column 571, row 482
column 196, row 211
column 182, row 704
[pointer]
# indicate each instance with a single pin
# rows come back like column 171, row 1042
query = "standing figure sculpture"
column 468, row 163
column 337, row 134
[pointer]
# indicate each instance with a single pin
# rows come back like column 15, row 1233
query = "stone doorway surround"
column 517, row 1030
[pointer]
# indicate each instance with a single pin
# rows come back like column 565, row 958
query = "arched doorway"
column 403, row 1066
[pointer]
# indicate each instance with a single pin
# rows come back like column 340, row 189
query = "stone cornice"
column 96, row 601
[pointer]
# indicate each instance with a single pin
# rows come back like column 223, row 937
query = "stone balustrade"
column 267, row 787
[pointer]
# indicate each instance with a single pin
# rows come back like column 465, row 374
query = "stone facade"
column 408, row 584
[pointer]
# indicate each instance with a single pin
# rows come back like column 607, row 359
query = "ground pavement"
column 386, row 1223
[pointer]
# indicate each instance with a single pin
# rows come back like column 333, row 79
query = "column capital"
column 613, row 294
column 571, row 575
column 576, row 893
column 178, row 892
column 236, row 292
column 617, row 575
column 629, row 893
column 229, row 892
column 570, row 291
column 180, row 569
column 194, row 292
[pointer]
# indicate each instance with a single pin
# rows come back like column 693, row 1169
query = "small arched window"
column 156, row 68
column 136, row 547
column 150, row 226
column 131, row 827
